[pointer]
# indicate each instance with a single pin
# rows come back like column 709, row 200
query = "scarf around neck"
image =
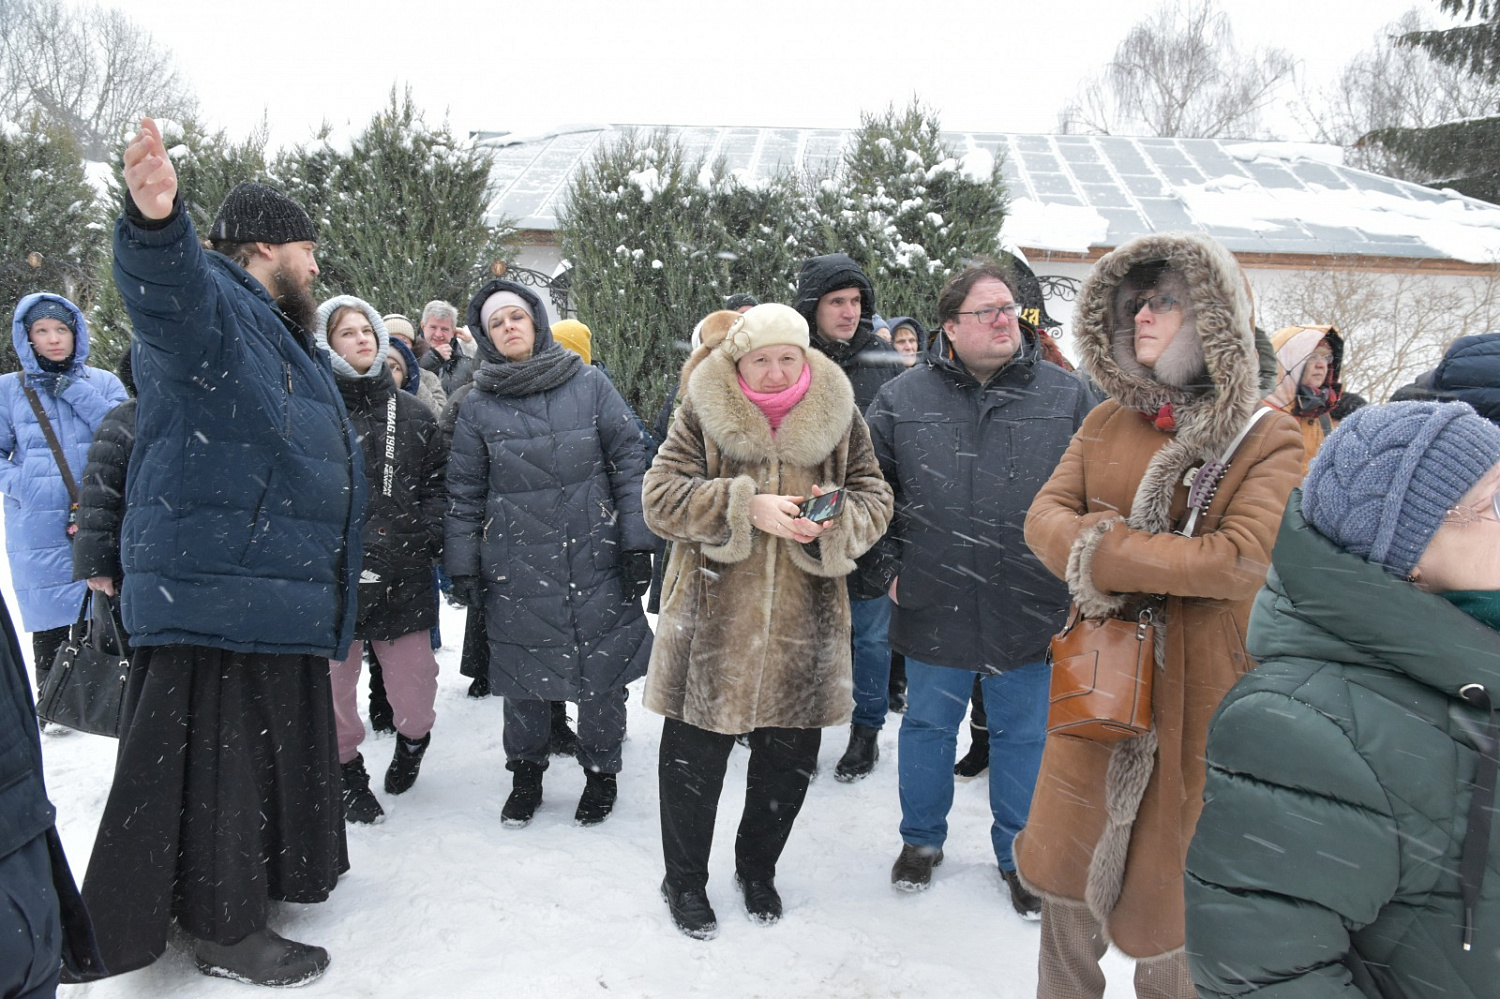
column 777, row 404
column 540, row 372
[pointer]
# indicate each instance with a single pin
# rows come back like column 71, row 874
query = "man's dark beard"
column 295, row 300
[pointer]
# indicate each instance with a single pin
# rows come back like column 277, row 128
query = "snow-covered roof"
column 1076, row 193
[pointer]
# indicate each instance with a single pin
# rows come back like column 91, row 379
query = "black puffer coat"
column 101, row 496
column 403, row 530
column 454, row 373
column 544, row 497
column 966, row 461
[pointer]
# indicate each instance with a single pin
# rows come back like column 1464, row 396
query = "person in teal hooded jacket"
column 1346, row 846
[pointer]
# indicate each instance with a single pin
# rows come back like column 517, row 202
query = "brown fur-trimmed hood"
column 812, row 429
column 1221, row 312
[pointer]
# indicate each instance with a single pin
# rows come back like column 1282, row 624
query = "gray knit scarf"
column 548, row 369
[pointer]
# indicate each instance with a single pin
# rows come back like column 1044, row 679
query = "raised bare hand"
column 149, row 172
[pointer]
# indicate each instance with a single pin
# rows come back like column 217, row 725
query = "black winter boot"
column 1027, row 905
column 262, row 958
column 360, row 804
column 762, row 900
column 599, row 793
column 977, row 760
column 402, row 773
column 480, row 687
column 859, row 759
column 525, row 794
column 564, row 739
column 691, row 911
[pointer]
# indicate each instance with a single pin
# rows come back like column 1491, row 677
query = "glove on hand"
column 635, row 574
column 467, row 591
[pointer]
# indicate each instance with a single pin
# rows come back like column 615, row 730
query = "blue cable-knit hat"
column 49, row 308
column 1383, row 481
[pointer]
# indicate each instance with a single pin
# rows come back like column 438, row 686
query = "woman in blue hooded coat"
column 51, row 339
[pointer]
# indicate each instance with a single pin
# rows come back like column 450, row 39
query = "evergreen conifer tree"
column 911, row 210
column 1462, row 154
column 400, row 210
column 51, row 238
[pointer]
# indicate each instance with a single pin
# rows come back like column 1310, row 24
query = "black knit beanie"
column 255, row 213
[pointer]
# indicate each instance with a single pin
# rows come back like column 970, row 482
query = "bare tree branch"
column 1390, row 85
column 1395, row 326
column 1179, row 73
column 90, row 69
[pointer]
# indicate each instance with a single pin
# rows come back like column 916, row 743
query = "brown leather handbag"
column 1102, row 670
column 1101, row 677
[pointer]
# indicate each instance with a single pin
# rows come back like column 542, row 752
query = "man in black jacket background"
column 838, row 302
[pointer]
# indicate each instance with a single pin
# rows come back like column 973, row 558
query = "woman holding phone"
column 754, row 630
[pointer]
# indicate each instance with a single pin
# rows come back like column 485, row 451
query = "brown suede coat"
column 754, row 629
column 1111, row 826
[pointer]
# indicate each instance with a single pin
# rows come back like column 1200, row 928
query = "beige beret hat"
column 765, row 326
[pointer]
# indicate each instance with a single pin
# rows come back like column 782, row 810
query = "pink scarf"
column 777, row 404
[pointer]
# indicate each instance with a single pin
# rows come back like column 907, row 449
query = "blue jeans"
column 937, row 696
column 872, row 659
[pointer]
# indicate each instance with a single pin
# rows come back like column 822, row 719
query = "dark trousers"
column 44, row 646
column 691, row 772
column 601, row 730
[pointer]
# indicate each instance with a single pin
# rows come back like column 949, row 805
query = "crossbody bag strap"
column 57, row 452
column 1206, row 483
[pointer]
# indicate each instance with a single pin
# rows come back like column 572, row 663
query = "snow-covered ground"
column 441, row 901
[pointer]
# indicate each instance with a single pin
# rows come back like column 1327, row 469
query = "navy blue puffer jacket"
column 246, row 490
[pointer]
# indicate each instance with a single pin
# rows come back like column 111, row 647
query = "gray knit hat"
column 255, row 213
column 1383, row 481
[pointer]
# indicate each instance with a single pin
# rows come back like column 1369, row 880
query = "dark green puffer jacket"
column 1326, row 862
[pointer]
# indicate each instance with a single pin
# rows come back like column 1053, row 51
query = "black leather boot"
column 402, row 773
column 691, row 911
column 977, row 760
column 859, row 759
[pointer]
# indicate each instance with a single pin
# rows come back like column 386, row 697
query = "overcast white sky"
column 530, row 66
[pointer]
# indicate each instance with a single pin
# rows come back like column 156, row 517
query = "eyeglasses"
column 1326, row 356
column 988, row 316
column 1463, row 516
column 1158, row 304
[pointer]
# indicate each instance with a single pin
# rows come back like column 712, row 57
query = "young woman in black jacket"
column 405, row 455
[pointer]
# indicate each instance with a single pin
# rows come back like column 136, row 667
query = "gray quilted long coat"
column 544, row 496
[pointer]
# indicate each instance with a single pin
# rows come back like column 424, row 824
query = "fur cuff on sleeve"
column 1092, row 602
column 827, row 556
column 737, row 515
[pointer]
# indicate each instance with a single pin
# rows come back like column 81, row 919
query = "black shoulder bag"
column 86, row 688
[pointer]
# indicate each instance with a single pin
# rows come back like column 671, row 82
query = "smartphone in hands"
column 825, row 507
